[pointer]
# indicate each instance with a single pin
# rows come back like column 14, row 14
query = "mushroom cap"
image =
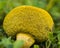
column 28, row 19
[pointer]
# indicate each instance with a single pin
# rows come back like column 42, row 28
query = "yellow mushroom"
column 28, row 20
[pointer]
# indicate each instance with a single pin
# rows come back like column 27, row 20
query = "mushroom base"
column 28, row 39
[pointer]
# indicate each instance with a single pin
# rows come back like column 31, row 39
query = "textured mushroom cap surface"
column 28, row 19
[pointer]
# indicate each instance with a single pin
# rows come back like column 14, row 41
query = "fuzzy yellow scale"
column 28, row 19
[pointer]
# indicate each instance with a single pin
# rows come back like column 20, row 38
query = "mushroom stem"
column 28, row 39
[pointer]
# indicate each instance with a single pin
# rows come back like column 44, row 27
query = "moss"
column 28, row 19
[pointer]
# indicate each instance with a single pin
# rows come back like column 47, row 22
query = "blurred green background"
column 52, row 6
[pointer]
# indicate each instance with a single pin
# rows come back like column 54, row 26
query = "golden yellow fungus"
column 28, row 19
